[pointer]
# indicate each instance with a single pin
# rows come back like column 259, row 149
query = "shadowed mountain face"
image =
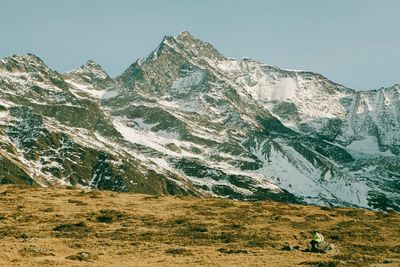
column 187, row 120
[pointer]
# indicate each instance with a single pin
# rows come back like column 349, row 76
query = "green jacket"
column 317, row 237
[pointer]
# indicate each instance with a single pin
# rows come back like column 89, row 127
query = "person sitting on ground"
column 317, row 238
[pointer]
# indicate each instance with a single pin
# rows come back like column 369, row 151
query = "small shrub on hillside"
column 177, row 251
column 232, row 251
column 77, row 202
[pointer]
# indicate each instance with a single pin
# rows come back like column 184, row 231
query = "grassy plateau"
column 74, row 227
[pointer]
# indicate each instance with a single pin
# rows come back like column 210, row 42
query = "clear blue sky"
column 355, row 43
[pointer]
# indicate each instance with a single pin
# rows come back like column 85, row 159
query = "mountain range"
column 186, row 120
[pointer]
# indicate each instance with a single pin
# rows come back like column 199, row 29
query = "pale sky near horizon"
column 352, row 42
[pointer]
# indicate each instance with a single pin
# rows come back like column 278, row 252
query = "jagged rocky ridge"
column 187, row 120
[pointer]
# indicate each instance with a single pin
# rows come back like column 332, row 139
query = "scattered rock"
column 70, row 227
column 77, row 230
column 21, row 235
column 77, row 202
column 233, row 251
column 321, row 263
column 105, row 219
column 82, row 256
column 323, row 247
column 47, row 209
column 75, row 245
column 178, row 251
column 287, row 248
column 35, row 251
column 151, row 197
column 290, row 248
column 109, row 216
column 335, row 237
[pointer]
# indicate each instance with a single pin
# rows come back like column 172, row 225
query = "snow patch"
column 368, row 145
column 184, row 83
column 87, row 89
column 284, row 89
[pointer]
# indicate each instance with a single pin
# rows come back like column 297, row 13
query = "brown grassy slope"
column 70, row 227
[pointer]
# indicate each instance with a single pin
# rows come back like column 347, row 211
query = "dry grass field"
column 72, row 227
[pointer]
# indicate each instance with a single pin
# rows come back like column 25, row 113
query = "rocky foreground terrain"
column 74, row 227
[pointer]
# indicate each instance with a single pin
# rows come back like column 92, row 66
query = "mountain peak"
column 91, row 62
column 91, row 65
column 28, row 62
column 185, row 36
column 90, row 69
column 186, row 44
column 29, row 57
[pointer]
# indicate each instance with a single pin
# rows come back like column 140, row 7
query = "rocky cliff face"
column 187, row 120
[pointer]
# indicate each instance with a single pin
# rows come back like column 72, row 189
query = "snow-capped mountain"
column 187, row 120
